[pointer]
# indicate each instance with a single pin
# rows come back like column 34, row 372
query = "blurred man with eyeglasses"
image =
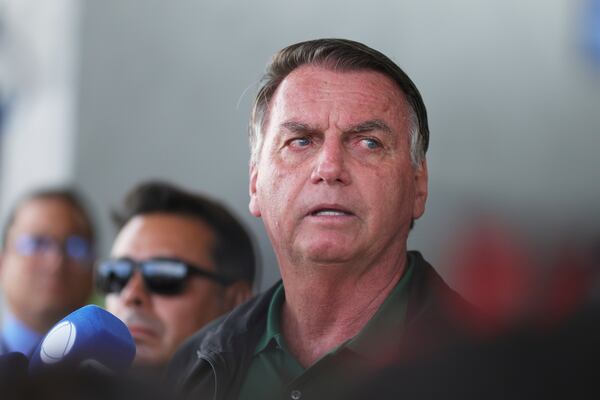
column 45, row 265
column 179, row 261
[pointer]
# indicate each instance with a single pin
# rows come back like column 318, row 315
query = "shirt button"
column 296, row 394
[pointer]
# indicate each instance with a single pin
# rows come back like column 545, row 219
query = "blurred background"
column 104, row 94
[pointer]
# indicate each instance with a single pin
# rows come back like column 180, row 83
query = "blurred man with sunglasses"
column 45, row 265
column 179, row 261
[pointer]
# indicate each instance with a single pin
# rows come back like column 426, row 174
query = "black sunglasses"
column 164, row 276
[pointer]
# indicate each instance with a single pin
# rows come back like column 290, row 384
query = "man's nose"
column 331, row 164
column 134, row 293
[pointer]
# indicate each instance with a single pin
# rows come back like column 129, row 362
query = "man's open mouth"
column 330, row 212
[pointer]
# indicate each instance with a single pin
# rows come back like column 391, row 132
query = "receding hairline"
column 329, row 66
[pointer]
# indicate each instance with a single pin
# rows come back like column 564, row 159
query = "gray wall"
column 166, row 87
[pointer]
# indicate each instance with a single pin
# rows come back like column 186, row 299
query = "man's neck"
column 327, row 308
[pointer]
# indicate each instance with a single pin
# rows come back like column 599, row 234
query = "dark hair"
column 338, row 55
column 66, row 194
column 233, row 251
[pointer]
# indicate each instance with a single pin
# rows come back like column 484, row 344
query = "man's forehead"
column 164, row 234
column 170, row 226
column 312, row 90
column 311, row 77
column 50, row 212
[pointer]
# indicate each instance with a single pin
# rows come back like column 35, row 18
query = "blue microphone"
column 89, row 337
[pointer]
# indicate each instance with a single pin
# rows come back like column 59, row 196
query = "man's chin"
column 146, row 357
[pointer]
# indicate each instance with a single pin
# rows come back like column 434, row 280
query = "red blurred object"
column 492, row 269
column 567, row 285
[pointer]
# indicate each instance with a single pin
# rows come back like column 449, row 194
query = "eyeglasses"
column 166, row 276
column 75, row 247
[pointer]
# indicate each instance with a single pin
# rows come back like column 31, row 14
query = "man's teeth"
column 330, row 213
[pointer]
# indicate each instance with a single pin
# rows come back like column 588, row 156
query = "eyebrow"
column 366, row 126
column 370, row 125
column 298, row 127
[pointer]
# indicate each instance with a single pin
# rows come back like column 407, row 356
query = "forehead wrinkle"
column 366, row 126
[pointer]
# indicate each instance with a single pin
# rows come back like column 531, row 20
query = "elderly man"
column 45, row 266
column 338, row 175
column 179, row 261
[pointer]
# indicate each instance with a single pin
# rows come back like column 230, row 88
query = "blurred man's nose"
column 55, row 257
column 135, row 294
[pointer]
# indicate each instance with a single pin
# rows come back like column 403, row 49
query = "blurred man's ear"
column 236, row 293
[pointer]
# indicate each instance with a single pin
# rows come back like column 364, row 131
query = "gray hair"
column 338, row 55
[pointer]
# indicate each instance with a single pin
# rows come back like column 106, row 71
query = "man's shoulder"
column 217, row 334
column 228, row 334
column 429, row 288
column 437, row 314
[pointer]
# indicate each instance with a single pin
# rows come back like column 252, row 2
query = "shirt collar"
column 273, row 330
column 387, row 321
column 17, row 336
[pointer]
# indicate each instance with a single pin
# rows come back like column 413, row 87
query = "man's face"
column 334, row 181
column 160, row 323
column 40, row 280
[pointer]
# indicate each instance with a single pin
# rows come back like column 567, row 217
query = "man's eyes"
column 371, row 143
column 299, row 142
column 368, row 143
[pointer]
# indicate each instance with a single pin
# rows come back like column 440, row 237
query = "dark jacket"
column 212, row 364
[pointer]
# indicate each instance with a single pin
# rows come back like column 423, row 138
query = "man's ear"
column 236, row 293
column 421, row 189
column 254, row 207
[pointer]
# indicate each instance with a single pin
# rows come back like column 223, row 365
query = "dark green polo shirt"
column 274, row 373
